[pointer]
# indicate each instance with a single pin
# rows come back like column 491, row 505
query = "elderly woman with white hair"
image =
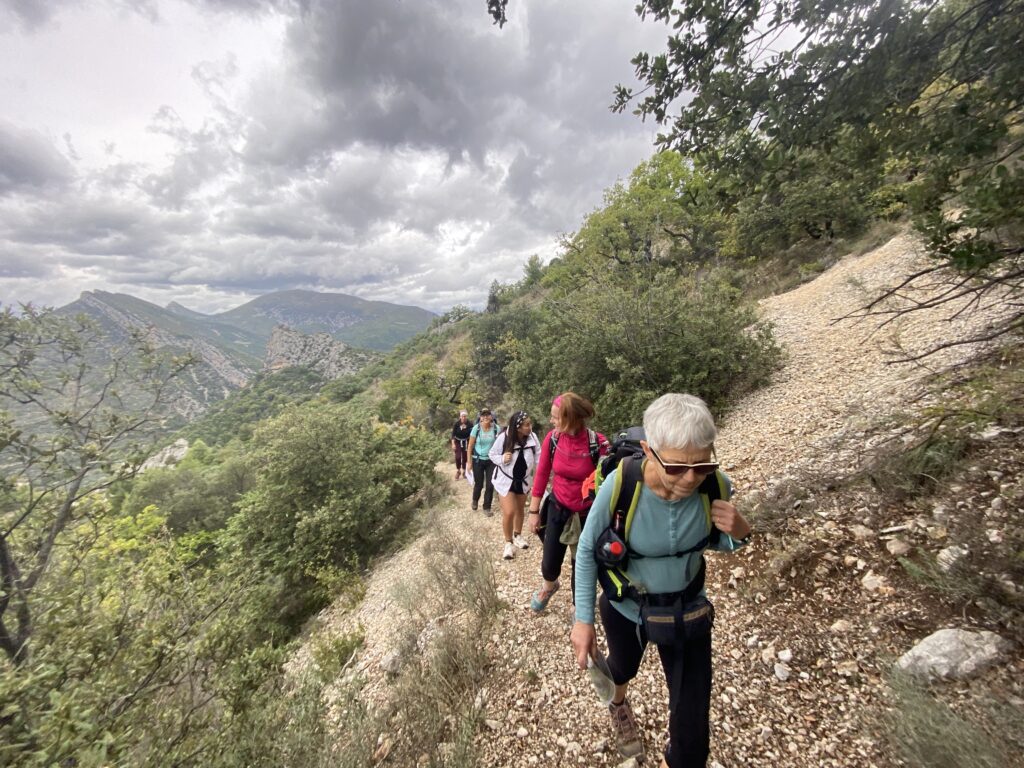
column 658, row 593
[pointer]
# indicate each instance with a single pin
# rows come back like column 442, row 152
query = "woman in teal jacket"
column 670, row 518
column 481, row 438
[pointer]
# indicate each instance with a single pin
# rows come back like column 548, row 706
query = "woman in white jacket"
column 514, row 455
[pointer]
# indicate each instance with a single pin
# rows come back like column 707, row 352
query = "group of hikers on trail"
column 660, row 502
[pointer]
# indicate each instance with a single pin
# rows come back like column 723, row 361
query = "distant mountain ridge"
column 371, row 324
column 232, row 346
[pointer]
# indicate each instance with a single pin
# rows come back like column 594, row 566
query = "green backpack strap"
column 626, row 486
column 713, row 487
column 625, row 495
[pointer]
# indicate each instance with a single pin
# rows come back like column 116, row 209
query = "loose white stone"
column 897, row 547
column 949, row 557
column 861, row 532
column 872, row 581
column 954, row 654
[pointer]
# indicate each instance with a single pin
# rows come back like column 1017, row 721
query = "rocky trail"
column 810, row 617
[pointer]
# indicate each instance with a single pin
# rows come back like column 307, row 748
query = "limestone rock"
column 861, row 532
column 872, row 581
column 392, row 663
column 168, row 456
column 897, row 547
column 953, row 654
column 319, row 351
column 950, row 556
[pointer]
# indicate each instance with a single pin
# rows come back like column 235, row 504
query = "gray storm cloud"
column 405, row 151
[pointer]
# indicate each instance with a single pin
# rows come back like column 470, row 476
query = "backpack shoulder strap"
column 713, row 487
column 595, row 448
column 625, row 494
column 552, row 444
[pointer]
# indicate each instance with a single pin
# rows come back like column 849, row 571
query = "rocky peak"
column 319, row 351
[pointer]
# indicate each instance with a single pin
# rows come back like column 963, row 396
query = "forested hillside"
column 155, row 618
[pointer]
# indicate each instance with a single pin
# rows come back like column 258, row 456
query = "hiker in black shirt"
column 460, row 440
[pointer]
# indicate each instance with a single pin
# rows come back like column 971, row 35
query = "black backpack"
column 626, row 443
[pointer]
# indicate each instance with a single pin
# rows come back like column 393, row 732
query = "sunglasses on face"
column 704, row 468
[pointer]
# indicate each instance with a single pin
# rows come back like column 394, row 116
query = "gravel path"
column 832, row 649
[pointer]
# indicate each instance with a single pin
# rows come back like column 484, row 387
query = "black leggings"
column 460, row 454
column 689, row 707
column 554, row 550
column 482, row 470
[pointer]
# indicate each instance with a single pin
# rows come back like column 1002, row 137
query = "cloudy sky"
column 210, row 151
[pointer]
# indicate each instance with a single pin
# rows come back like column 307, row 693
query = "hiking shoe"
column 542, row 597
column 487, row 511
column 475, row 507
column 520, row 542
column 627, row 735
column 509, row 553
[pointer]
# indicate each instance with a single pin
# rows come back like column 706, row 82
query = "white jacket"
column 502, row 478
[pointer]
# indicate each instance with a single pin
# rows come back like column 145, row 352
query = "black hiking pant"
column 553, row 554
column 482, row 471
column 689, row 689
column 460, row 455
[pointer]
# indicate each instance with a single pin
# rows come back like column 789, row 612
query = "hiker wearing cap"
column 514, row 456
column 460, row 443
column 568, row 456
column 671, row 521
column 481, row 438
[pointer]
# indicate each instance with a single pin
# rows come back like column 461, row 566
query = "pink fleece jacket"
column 572, row 465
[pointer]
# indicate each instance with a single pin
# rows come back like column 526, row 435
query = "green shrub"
column 330, row 493
column 331, row 653
column 623, row 339
column 920, row 467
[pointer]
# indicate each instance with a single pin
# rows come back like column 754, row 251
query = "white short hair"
column 677, row 421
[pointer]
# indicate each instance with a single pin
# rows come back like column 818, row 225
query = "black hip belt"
column 685, row 596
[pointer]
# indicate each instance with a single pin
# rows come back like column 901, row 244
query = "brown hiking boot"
column 627, row 735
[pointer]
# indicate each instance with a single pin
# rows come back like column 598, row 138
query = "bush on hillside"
column 625, row 339
column 198, row 494
column 133, row 651
column 328, row 494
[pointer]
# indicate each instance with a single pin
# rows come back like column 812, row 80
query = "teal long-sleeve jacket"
column 659, row 527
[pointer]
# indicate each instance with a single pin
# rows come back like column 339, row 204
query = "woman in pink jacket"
column 571, row 452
